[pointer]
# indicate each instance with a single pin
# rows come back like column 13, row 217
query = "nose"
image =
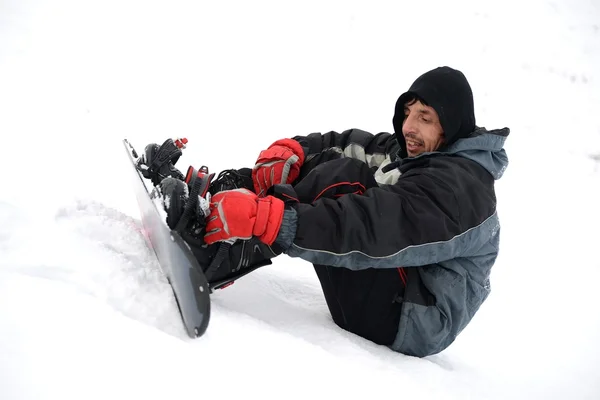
column 409, row 125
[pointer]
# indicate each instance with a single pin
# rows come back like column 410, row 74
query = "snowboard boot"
column 186, row 203
column 158, row 162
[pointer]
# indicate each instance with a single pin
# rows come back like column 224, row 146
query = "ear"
column 442, row 142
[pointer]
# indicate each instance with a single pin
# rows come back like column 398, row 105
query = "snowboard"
column 177, row 262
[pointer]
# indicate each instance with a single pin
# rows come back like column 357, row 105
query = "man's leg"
column 365, row 302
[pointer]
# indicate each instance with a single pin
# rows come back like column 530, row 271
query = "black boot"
column 175, row 194
column 160, row 160
column 186, row 200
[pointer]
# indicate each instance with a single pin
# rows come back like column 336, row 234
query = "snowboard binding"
column 186, row 201
column 158, row 162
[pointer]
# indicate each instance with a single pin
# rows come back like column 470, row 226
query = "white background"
column 84, row 310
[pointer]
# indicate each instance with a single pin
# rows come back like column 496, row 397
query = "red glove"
column 240, row 214
column 280, row 163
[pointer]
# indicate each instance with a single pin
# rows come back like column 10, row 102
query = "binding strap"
column 221, row 255
column 198, row 181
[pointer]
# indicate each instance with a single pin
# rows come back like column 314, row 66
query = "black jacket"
column 436, row 211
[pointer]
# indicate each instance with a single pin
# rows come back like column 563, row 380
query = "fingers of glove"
column 266, row 176
column 214, row 226
column 213, row 237
column 258, row 189
column 217, row 219
column 277, row 173
column 259, row 184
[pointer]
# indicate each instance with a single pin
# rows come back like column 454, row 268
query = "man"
column 401, row 228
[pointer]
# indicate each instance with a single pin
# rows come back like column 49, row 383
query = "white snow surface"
column 84, row 310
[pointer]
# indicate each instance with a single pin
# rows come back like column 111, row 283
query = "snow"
column 84, row 310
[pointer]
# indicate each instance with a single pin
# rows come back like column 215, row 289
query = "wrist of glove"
column 240, row 214
column 280, row 163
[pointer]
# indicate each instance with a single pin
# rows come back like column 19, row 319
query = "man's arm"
column 414, row 222
column 355, row 143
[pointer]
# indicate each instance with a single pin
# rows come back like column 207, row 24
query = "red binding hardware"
column 227, row 285
column 180, row 143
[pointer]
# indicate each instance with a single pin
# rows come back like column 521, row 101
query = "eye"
column 426, row 120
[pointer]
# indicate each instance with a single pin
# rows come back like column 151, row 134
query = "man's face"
column 421, row 128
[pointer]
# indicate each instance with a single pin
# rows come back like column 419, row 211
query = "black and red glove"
column 279, row 163
column 241, row 214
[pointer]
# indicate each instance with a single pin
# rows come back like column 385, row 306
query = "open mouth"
column 412, row 145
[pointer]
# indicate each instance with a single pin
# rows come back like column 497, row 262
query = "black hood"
column 449, row 93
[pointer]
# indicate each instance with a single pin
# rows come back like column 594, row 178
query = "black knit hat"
column 449, row 93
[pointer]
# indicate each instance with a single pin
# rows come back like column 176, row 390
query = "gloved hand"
column 280, row 163
column 241, row 214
